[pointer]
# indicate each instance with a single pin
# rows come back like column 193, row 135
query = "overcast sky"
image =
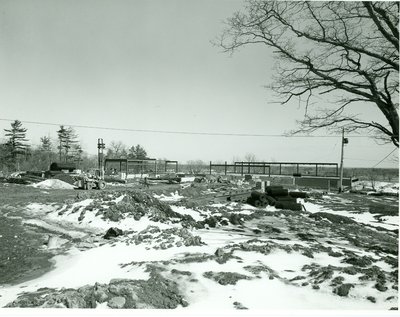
column 150, row 65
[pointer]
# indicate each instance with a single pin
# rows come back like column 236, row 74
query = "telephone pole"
column 100, row 155
column 344, row 141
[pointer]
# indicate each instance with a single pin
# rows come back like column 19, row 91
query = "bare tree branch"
column 345, row 51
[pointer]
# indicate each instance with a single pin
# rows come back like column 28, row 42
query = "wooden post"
column 280, row 169
column 263, row 168
column 242, row 168
column 316, row 169
column 210, row 167
column 225, row 167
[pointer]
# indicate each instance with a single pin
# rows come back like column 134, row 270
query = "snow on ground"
column 173, row 197
column 103, row 263
column 54, row 218
column 387, row 222
column 382, row 187
column 76, row 268
column 186, row 211
column 53, row 184
column 91, row 221
column 261, row 294
column 54, row 228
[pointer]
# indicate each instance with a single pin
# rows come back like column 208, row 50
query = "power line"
column 384, row 158
column 185, row 132
column 357, row 159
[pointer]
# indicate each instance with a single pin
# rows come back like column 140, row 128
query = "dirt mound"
column 156, row 292
column 134, row 204
column 53, row 184
column 167, row 238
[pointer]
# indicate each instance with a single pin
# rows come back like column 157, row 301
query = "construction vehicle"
column 68, row 173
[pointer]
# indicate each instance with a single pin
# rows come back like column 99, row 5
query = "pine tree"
column 46, row 151
column 140, row 152
column 77, row 153
column 67, row 139
column 137, row 152
column 45, row 144
column 16, row 141
column 70, row 142
column 62, row 135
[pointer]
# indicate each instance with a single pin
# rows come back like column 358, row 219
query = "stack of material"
column 276, row 196
column 28, row 177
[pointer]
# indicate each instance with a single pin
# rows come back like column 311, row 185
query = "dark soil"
column 22, row 256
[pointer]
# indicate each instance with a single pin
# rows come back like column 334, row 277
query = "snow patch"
column 173, row 197
column 185, row 211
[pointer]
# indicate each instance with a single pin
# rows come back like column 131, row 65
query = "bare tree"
column 117, row 149
column 346, row 52
column 250, row 157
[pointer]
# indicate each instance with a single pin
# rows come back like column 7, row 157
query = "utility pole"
column 100, row 147
column 344, row 141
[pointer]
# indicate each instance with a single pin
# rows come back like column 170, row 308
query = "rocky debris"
column 83, row 245
column 332, row 218
column 175, row 271
column 359, row 261
column 351, row 270
column 392, row 261
column 194, row 257
column 266, row 228
column 297, row 278
column 117, row 302
column 338, row 280
column 343, row 289
column 318, row 273
column 373, row 273
column 257, row 269
column 135, row 204
column 263, row 247
column 222, row 256
column 225, row 278
column 113, row 232
column 335, row 254
column 305, row 236
column 308, row 253
column 166, row 238
column 156, row 292
column 239, row 305
column 380, row 286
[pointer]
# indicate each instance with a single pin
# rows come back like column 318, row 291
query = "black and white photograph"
column 199, row 157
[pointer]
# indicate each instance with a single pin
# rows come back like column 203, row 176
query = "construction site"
column 182, row 239
column 202, row 157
